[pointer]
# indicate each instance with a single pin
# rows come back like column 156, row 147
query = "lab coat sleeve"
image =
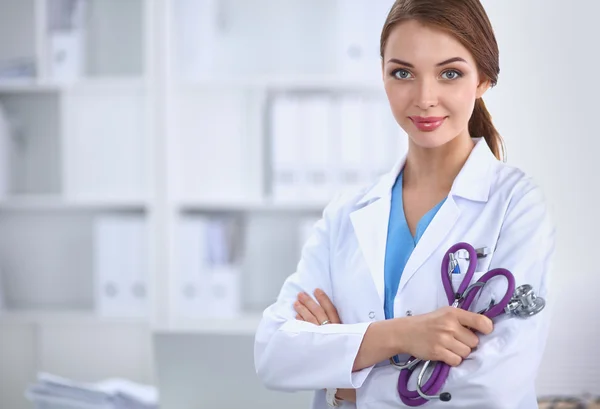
column 293, row 355
column 501, row 372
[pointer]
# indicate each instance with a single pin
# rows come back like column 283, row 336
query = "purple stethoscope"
column 521, row 302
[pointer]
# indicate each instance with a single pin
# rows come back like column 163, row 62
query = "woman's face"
column 432, row 82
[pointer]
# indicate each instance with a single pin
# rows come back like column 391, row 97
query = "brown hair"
column 468, row 22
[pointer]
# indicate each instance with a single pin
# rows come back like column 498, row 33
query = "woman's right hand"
column 443, row 335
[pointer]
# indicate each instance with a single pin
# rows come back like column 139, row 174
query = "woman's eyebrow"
column 448, row 61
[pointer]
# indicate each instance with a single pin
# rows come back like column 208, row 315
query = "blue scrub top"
column 400, row 244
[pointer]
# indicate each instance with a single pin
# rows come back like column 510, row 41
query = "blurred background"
column 163, row 162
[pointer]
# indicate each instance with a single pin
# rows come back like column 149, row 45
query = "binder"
column 318, row 179
column 120, row 266
column 286, row 159
column 223, row 272
column 207, row 280
column 351, row 163
column 188, row 290
column 352, row 38
column 196, row 34
column 5, row 153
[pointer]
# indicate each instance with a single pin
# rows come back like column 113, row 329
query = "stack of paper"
column 54, row 392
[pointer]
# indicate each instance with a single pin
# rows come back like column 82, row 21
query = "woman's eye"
column 452, row 74
column 401, row 74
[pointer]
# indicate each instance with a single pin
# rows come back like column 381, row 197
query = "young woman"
column 368, row 285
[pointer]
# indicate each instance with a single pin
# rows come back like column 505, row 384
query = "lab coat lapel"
column 371, row 226
column 472, row 183
column 434, row 235
column 370, row 222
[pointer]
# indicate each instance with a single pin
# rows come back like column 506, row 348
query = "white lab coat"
column 490, row 204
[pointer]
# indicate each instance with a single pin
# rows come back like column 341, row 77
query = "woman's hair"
column 468, row 22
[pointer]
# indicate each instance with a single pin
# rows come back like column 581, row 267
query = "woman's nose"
column 426, row 95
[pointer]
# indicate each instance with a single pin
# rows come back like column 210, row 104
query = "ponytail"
column 480, row 125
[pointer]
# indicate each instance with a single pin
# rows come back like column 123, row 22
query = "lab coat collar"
column 371, row 221
column 473, row 182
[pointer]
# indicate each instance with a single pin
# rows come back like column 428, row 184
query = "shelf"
column 250, row 206
column 74, row 317
column 26, row 86
column 50, row 202
column 286, row 84
column 31, row 86
column 246, row 324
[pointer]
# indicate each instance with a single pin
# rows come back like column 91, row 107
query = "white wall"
column 546, row 108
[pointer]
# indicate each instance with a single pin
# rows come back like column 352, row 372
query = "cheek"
column 459, row 102
column 399, row 99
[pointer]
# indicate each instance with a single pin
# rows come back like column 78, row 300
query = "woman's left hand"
column 320, row 313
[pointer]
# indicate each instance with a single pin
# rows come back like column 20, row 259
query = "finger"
column 328, row 306
column 305, row 313
column 450, row 358
column 467, row 337
column 459, row 348
column 348, row 395
column 313, row 307
column 298, row 316
column 477, row 322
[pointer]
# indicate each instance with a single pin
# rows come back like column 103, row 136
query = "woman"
column 368, row 288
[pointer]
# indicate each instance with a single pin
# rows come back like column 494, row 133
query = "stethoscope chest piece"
column 525, row 303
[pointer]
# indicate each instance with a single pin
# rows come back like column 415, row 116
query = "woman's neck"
column 438, row 167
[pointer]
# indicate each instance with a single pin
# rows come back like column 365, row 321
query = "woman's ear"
column 483, row 87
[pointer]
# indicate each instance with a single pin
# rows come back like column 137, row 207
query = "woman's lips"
column 426, row 124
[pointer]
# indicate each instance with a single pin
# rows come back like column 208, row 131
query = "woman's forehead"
column 417, row 43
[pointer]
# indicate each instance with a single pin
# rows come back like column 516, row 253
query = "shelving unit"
column 161, row 127
column 158, row 112
column 79, row 152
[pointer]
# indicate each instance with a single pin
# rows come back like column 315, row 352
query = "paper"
column 53, row 391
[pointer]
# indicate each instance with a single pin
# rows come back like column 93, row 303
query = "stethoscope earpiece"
column 445, row 396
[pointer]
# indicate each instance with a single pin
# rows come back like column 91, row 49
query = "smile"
column 427, row 123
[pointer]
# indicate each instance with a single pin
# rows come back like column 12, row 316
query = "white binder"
column 120, row 266
column 5, row 151
column 352, row 39
column 317, row 113
column 188, row 289
column 196, row 30
column 223, row 272
column 286, row 146
column 207, row 280
column 358, row 34
column 351, row 163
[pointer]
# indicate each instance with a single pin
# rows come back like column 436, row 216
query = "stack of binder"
column 323, row 143
column 207, row 280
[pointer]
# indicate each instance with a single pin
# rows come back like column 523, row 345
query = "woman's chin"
column 429, row 140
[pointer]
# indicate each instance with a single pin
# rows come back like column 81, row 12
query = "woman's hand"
column 442, row 335
column 322, row 311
